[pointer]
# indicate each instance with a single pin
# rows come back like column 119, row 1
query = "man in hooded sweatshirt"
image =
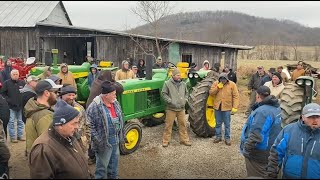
column 175, row 94
column 93, row 74
column 206, row 65
column 39, row 110
column 66, row 76
column 226, row 100
column 260, row 131
column 47, row 72
column 5, row 73
column 28, row 92
column 124, row 72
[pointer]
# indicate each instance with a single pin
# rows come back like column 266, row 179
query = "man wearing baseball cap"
column 28, row 92
column 56, row 154
column 296, row 148
column 38, row 111
column 259, row 132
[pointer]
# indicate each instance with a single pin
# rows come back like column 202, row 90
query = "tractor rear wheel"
column 154, row 120
column 133, row 133
column 291, row 103
column 201, row 112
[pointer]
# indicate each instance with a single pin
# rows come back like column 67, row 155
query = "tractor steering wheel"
column 170, row 65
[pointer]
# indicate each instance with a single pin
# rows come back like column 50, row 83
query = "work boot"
column 187, row 143
column 217, row 140
column 165, row 144
column 21, row 139
column 228, row 142
column 14, row 141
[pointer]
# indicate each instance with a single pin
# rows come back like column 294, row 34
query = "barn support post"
column 230, row 58
column 216, row 56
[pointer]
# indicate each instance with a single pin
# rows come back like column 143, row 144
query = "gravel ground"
column 203, row 159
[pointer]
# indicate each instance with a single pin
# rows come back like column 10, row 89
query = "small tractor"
column 298, row 94
column 19, row 64
column 80, row 73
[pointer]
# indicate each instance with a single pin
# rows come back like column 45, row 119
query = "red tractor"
column 19, row 64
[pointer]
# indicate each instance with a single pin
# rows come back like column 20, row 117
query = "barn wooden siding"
column 119, row 48
column 16, row 41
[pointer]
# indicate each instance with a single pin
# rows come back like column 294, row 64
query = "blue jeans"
column 107, row 162
column 15, row 115
column 222, row 117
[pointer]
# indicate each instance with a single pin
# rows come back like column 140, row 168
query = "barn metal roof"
column 240, row 47
column 26, row 13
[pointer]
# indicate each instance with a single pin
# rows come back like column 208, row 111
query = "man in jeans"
column 105, row 117
column 226, row 100
column 175, row 94
column 11, row 92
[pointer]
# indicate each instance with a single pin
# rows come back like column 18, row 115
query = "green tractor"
column 141, row 99
column 294, row 97
column 80, row 73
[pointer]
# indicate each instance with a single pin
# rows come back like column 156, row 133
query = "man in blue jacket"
column 260, row 131
column 296, row 149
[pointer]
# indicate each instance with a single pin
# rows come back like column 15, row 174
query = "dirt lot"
column 203, row 159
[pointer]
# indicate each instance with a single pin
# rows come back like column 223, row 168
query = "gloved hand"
column 234, row 110
column 220, row 85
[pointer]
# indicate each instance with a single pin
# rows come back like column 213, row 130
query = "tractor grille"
column 139, row 101
column 154, row 98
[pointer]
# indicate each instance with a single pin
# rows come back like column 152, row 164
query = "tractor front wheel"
column 133, row 133
column 154, row 120
column 291, row 103
column 201, row 112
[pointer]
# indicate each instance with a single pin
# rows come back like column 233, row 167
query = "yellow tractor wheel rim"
column 132, row 137
column 158, row 115
column 210, row 113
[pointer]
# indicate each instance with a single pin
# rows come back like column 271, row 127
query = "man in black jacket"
column 254, row 84
column 5, row 73
column 28, row 92
column 232, row 76
column 10, row 91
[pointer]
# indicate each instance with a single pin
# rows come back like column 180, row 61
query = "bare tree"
column 152, row 13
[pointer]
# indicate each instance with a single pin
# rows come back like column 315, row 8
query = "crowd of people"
column 63, row 138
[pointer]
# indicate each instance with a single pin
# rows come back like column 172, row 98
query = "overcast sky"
column 116, row 15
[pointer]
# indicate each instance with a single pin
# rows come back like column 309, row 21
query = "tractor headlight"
column 300, row 82
column 308, row 82
column 196, row 75
column 190, row 75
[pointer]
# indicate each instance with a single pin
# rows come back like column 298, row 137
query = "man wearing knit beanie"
column 276, row 85
column 107, row 130
column 175, row 95
column 68, row 94
column 59, row 146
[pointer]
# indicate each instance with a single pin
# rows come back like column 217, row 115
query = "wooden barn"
column 24, row 31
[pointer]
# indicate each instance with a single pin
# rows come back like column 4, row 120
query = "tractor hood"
column 142, row 84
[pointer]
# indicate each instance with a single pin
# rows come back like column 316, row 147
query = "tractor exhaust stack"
column 149, row 63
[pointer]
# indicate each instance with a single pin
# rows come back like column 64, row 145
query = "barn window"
column 32, row 53
column 187, row 57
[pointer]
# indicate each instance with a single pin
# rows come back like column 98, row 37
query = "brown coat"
column 296, row 73
column 228, row 96
column 53, row 157
column 123, row 75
